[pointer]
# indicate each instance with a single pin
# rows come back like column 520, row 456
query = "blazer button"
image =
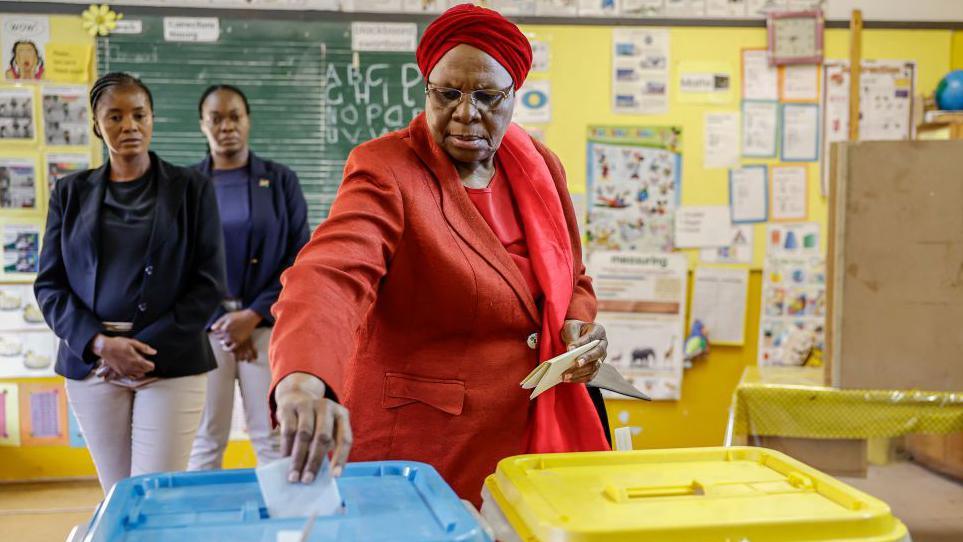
column 149, row 270
column 532, row 341
column 254, row 261
column 142, row 307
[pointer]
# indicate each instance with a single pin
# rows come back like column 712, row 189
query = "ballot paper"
column 609, row 378
column 549, row 373
column 287, row 500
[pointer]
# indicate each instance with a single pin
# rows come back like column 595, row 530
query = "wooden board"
column 836, row 152
column 942, row 453
column 896, row 266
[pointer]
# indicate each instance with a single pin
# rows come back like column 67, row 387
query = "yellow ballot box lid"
column 739, row 494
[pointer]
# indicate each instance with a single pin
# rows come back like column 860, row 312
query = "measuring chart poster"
column 642, row 298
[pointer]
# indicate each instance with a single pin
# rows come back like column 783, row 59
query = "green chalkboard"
column 312, row 99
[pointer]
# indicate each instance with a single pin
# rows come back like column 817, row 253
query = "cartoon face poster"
column 633, row 187
column 22, row 43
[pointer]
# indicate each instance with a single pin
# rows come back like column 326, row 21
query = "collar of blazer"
column 170, row 185
column 256, row 166
column 464, row 218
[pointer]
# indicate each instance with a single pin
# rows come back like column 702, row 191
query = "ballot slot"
column 628, row 494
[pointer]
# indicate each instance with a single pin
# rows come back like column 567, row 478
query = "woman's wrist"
column 97, row 344
column 253, row 315
column 302, row 382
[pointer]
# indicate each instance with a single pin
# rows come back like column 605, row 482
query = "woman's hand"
column 245, row 351
column 123, row 357
column 236, row 327
column 575, row 333
column 311, row 427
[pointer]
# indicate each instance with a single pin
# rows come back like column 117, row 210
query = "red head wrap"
column 481, row 28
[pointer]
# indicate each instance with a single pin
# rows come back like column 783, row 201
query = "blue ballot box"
column 386, row 500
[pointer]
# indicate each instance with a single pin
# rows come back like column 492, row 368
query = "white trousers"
column 254, row 381
column 137, row 431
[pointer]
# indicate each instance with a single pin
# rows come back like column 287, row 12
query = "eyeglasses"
column 487, row 99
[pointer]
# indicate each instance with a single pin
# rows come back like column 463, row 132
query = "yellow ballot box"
column 739, row 494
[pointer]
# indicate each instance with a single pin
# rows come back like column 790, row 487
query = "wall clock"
column 795, row 37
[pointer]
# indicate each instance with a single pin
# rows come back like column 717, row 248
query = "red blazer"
column 408, row 307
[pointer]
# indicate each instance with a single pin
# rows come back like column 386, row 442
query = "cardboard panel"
column 838, row 457
column 897, row 266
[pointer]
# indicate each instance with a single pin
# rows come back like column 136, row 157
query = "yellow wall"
column 47, row 462
column 53, row 462
column 581, row 80
column 957, row 51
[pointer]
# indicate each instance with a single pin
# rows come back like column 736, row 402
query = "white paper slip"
column 285, row 499
column 549, row 373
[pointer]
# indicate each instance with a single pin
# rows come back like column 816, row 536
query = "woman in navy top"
column 131, row 269
column 264, row 217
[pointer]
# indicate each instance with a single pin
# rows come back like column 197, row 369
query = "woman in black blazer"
column 131, row 270
column 264, row 217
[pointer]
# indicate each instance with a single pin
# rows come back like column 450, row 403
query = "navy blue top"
column 232, row 187
column 278, row 230
column 125, row 223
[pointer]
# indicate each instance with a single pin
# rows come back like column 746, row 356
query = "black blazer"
column 183, row 278
column 279, row 228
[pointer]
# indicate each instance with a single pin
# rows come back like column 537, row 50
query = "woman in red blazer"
column 449, row 266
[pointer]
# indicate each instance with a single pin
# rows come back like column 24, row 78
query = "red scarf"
column 564, row 418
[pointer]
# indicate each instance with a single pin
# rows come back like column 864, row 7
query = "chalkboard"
column 312, row 98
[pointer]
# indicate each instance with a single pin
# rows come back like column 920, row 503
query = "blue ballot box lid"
column 386, row 500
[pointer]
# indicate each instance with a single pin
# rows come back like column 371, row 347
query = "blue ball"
column 949, row 93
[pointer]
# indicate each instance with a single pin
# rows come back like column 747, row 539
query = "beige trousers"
column 137, row 431
column 254, row 380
